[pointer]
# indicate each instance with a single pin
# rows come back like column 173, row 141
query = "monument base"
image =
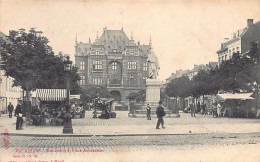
column 152, row 92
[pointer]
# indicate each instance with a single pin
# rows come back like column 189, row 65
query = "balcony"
column 114, row 85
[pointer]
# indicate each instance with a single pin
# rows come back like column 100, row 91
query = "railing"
column 114, row 85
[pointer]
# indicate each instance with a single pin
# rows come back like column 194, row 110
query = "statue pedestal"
column 152, row 92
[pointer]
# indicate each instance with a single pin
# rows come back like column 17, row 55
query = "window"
column 82, row 80
column 225, row 57
column 131, row 65
column 97, row 80
column 82, row 66
column 229, row 53
column 114, row 66
column 233, row 50
column 97, row 65
column 97, row 52
column 237, row 49
column 222, row 58
column 145, row 66
column 219, row 59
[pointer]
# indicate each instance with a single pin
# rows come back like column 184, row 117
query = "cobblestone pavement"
column 125, row 125
column 72, row 148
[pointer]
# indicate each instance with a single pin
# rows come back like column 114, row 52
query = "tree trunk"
column 28, row 110
column 257, row 98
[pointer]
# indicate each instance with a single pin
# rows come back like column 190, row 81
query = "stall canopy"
column 236, row 96
column 51, row 94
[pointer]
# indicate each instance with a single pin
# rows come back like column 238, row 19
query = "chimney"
column 250, row 22
column 234, row 35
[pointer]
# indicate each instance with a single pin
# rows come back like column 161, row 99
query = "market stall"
column 52, row 105
column 237, row 105
column 77, row 110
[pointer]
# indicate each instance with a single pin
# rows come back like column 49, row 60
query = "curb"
column 99, row 135
column 111, row 135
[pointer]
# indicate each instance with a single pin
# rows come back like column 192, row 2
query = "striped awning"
column 51, row 94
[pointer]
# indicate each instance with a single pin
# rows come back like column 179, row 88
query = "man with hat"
column 19, row 115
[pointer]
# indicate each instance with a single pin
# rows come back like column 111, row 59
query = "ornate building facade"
column 114, row 61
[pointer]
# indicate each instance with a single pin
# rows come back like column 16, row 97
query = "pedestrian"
column 148, row 109
column 203, row 107
column 192, row 109
column 10, row 109
column 219, row 107
column 19, row 115
column 160, row 114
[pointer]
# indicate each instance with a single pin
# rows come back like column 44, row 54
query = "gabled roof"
column 213, row 65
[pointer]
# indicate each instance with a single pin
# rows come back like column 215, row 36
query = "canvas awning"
column 236, row 96
column 51, row 94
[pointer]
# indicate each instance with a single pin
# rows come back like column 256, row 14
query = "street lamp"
column 67, row 119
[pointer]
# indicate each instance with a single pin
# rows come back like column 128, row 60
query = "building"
column 177, row 74
column 8, row 93
column 239, row 41
column 196, row 69
column 114, row 61
column 212, row 65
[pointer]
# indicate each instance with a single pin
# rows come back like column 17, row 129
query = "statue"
column 153, row 66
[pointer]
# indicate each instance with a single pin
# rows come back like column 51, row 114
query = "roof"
column 114, row 39
column 145, row 49
column 198, row 68
column 236, row 96
column 213, row 65
column 178, row 74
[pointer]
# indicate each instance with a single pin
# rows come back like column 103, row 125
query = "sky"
column 183, row 32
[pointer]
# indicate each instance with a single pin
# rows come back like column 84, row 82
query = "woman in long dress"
column 219, row 109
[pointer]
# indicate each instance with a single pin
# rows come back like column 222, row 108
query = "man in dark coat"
column 10, row 109
column 160, row 114
column 18, row 114
column 148, row 109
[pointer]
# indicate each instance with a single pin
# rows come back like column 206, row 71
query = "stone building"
column 239, row 41
column 114, row 61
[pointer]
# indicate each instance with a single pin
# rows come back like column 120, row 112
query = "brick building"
column 114, row 61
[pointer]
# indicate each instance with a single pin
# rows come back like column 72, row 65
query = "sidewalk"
column 125, row 126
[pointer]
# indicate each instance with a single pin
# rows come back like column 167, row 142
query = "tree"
column 139, row 96
column 179, row 87
column 29, row 59
column 233, row 74
column 91, row 92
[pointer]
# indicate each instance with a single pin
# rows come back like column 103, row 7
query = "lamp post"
column 67, row 119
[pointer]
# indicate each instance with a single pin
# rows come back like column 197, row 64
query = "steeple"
column 89, row 40
column 150, row 42
column 132, row 36
column 97, row 39
column 76, row 39
column 76, row 44
column 97, row 36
